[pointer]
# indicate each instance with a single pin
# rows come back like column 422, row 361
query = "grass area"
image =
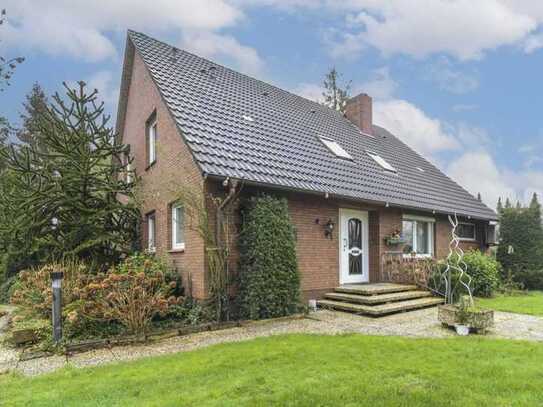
column 530, row 303
column 304, row 370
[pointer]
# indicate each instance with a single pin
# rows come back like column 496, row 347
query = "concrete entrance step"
column 378, row 298
column 382, row 309
column 374, row 289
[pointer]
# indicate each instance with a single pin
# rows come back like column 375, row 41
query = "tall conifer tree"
column 65, row 197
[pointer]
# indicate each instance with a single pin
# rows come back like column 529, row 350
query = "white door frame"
column 344, row 277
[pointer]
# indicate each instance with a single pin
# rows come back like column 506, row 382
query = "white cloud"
column 211, row 45
column 489, row 180
column 107, row 86
column 380, row 86
column 309, row 91
column 81, row 29
column 464, row 29
column 424, row 134
column 450, row 78
column 533, row 43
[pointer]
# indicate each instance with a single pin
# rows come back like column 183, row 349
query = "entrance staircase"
column 378, row 299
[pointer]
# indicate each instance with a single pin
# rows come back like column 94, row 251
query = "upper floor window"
column 418, row 233
column 178, row 227
column 129, row 171
column 466, row 231
column 152, row 135
column 151, row 232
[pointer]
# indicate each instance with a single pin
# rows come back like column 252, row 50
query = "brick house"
column 349, row 183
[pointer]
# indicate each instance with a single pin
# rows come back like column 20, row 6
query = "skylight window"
column 421, row 169
column 335, row 148
column 248, row 118
column 381, row 161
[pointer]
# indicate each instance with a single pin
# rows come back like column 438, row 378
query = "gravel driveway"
column 421, row 323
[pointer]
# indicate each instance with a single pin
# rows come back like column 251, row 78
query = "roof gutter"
column 328, row 195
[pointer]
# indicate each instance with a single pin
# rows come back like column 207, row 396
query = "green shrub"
column 484, row 271
column 269, row 278
column 6, row 288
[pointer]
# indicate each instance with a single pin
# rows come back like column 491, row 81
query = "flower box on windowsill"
column 394, row 240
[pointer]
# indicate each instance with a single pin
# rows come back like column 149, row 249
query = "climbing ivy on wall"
column 269, row 277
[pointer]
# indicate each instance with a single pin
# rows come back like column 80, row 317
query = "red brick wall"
column 318, row 257
column 443, row 237
column 160, row 183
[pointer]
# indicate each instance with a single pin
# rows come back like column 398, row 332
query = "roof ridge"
column 210, row 117
column 129, row 31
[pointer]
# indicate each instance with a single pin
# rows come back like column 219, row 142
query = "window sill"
column 467, row 240
column 180, row 250
column 418, row 256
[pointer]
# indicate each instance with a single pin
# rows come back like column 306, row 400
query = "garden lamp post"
column 56, row 284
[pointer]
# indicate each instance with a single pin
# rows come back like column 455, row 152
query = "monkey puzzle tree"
column 66, row 196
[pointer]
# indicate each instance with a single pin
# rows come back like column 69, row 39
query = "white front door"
column 353, row 247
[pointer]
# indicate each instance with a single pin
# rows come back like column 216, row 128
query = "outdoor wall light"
column 329, row 228
column 56, row 284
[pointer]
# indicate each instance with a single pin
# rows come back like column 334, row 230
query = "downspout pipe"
column 219, row 216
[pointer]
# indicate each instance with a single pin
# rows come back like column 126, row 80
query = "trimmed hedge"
column 269, row 277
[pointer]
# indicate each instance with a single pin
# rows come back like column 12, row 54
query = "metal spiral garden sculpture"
column 455, row 263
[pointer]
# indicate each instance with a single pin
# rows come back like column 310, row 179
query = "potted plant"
column 394, row 238
column 466, row 317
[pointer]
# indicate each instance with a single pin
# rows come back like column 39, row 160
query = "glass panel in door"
column 355, row 246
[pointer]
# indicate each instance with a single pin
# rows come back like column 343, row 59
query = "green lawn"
column 306, row 370
column 530, row 303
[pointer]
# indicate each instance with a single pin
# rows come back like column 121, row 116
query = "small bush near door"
column 269, row 278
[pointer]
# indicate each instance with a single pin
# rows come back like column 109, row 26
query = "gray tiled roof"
column 280, row 147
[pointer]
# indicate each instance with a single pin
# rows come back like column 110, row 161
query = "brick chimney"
column 359, row 110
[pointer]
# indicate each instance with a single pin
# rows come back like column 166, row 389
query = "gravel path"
column 8, row 357
column 422, row 323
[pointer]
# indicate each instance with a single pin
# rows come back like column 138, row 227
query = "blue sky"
column 460, row 81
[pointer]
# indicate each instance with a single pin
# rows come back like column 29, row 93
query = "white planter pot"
column 462, row 330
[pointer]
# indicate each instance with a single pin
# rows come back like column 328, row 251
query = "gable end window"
column 151, row 131
column 178, row 227
column 466, row 231
column 418, row 233
column 151, row 232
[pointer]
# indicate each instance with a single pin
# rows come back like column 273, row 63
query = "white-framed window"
column 335, row 148
column 418, row 233
column 152, row 134
column 178, row 227
column 466, row 231
column 382, row 162
column 151, row 232
column 129, row 172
